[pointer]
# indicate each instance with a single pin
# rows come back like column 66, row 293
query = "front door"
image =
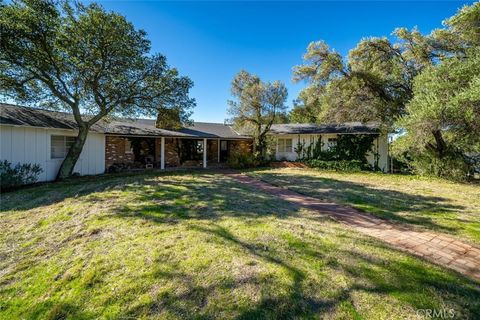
column 223, row 150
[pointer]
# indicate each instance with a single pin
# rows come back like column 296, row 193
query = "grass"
column 201, row 246
column 424, row 202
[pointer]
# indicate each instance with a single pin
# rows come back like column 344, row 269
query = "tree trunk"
column 440, row 144
column 256, row 139
column 71, row 159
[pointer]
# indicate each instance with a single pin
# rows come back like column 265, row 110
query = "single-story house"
column 288, row 137
column 29, row 135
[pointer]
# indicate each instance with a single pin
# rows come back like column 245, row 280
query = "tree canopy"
column 425, row 86
column 442, row 123
column 375, row 81
column 256, row 107
column 85, row 60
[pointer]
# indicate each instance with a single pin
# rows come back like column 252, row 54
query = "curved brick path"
column 435, row 247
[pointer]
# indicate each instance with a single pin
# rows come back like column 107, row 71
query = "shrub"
column 20, row 174
column 239, row 160
column 349, row 147
column 452, row 165
column 340, row 165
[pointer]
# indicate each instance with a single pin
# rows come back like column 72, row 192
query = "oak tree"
column 85, row 60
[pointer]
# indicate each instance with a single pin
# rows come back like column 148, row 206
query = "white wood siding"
column 381, row 141
column 32, row 145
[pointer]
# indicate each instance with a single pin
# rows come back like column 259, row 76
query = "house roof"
column 23, row 116
column 31, row 117
column 311, row 128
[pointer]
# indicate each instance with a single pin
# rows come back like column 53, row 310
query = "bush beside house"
column 349, row 154
column 12, row 177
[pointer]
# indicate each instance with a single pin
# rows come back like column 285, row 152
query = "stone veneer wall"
column 115, row 151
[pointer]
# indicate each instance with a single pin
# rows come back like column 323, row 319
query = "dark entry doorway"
column 223, row 150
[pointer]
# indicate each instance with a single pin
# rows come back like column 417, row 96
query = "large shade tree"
column 441, row 122
column 256, row 107
column 373, row 84
column 443, row 118
column 378, row 80
column 87, row 61
column 375, row 81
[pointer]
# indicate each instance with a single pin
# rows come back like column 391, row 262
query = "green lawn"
column 423, row 202
column 200, row 246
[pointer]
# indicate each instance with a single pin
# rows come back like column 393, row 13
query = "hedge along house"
column 293, row 139
column 29, row 135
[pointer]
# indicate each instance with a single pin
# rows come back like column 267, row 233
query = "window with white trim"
column 199, row 146
column 332, row 142
column 284, row 145
column 60, row 145
column 128, row 146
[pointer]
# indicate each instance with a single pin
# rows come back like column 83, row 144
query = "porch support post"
column 218, row 156
column 204, row 153
column 162, row 153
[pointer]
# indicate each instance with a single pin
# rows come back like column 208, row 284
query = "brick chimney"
column 168, row 119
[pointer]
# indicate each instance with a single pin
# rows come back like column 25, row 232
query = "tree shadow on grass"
column 60, row 310
column 204, row 205
column 171, row 201
column 45, row 194
column 407, row 280
column 383, row 203
column 88, row 187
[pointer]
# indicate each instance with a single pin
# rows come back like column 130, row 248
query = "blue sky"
column 211, row 41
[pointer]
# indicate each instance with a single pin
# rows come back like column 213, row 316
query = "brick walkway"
column 435, row 247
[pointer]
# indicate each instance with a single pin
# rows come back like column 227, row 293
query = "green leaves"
column 375, row 82
column 256, row 107
column 426, row 86
column 444, row 118
column 85, row 60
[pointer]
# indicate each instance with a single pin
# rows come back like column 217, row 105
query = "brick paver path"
column 435, row 247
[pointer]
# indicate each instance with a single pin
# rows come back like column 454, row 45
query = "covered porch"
column 126, row 153
column 192, row 153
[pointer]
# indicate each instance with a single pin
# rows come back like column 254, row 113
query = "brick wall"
column 115, row 151
column 212, row 151
column 171, row 154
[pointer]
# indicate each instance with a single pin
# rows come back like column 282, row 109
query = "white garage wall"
column 381, row 141
column 32, row 145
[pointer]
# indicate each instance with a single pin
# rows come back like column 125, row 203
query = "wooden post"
column 162, row 154
column 218, row 150
column 204, row 153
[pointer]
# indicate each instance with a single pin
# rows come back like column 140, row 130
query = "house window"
column 199, row 146
column 223, row 145
column 59, row 146
column 332, row 142
column 128, row 146
column 284, row 145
